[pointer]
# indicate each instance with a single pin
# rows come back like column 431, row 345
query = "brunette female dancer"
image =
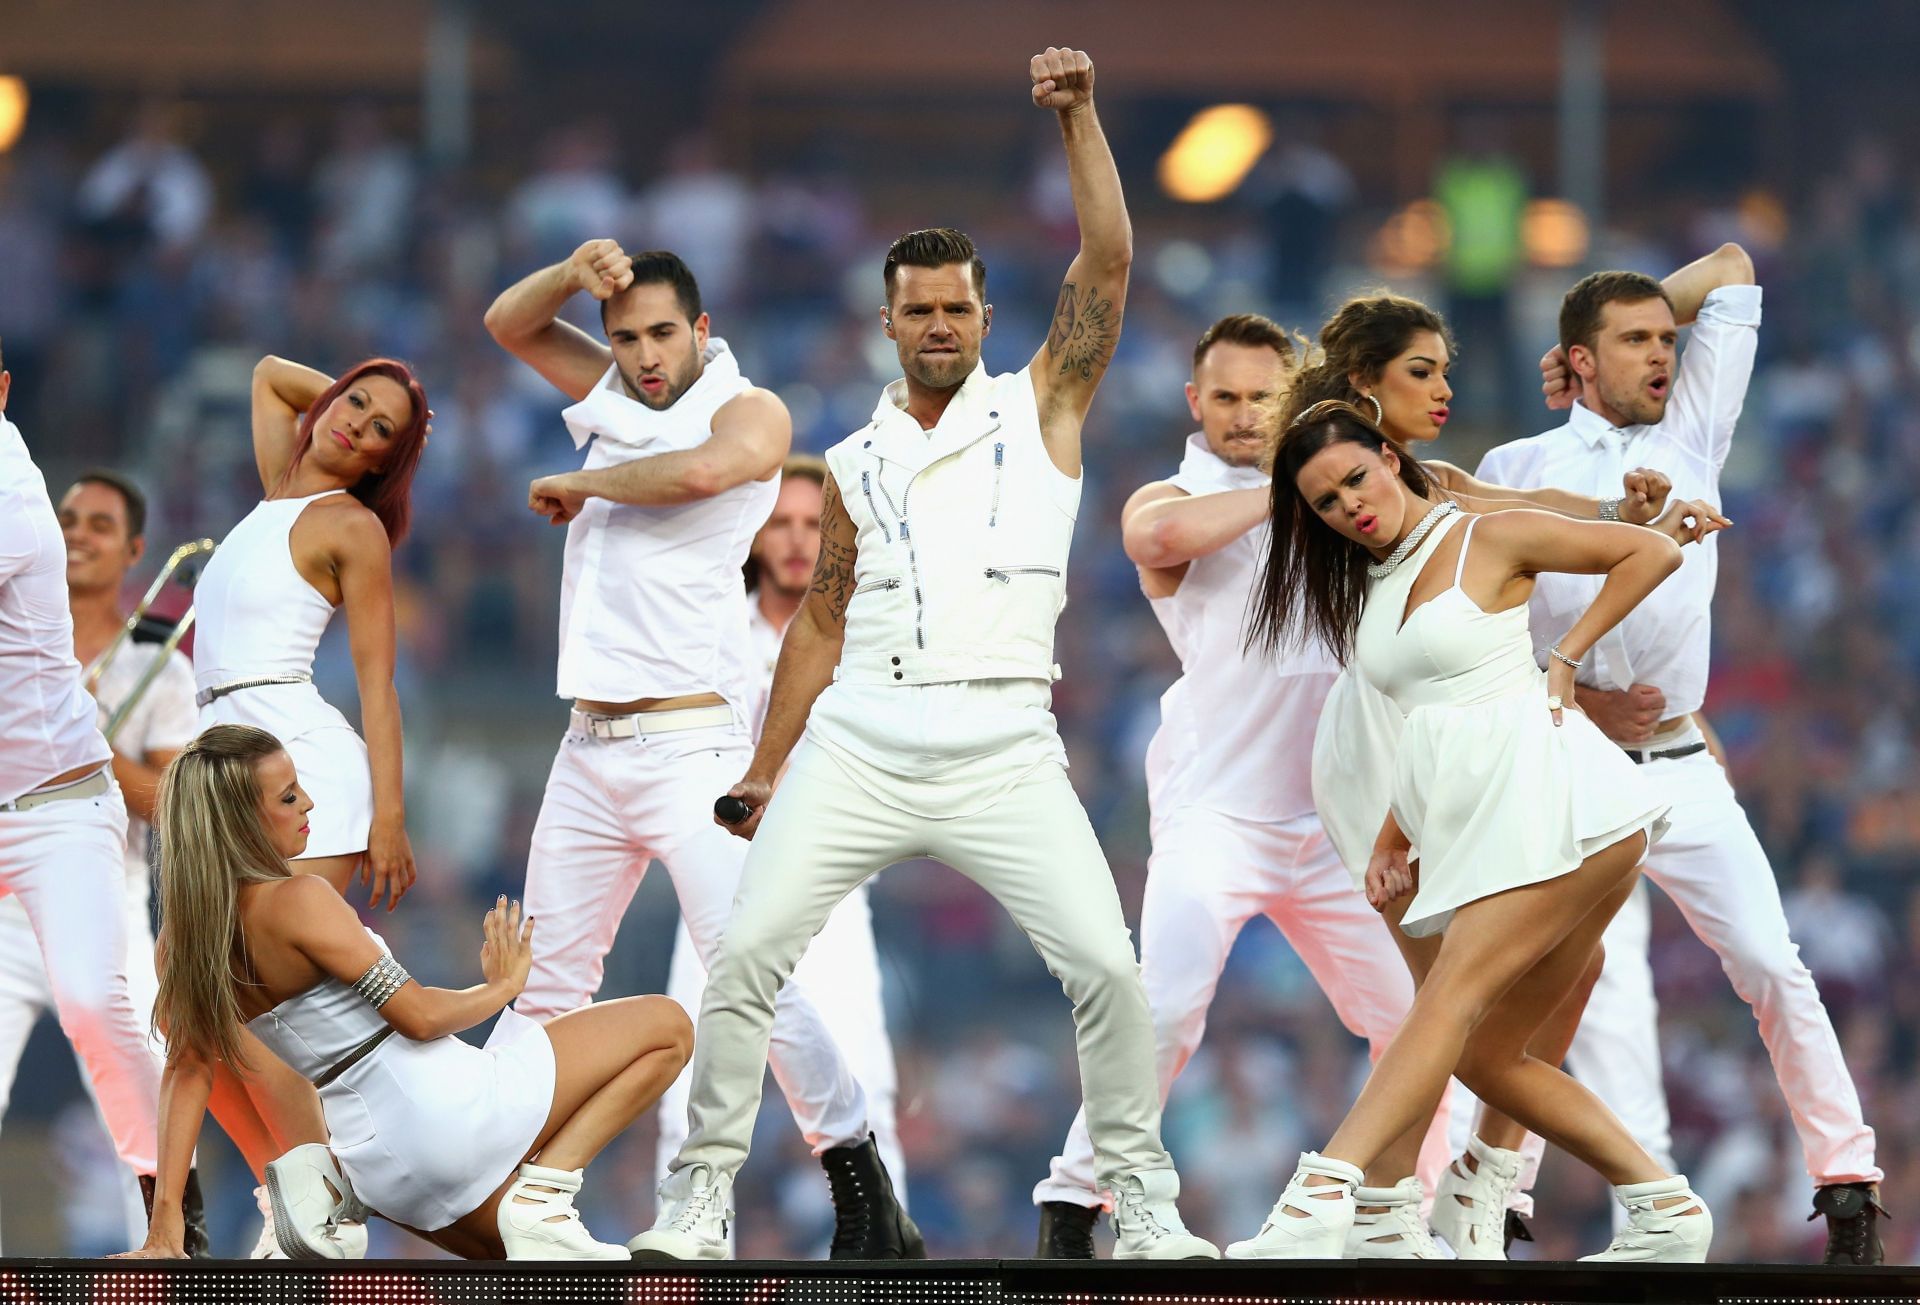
column 478, row 1150
column 1528, row 824
column 337, row 482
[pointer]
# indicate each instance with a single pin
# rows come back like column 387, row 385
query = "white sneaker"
column 1679, row 1234
column 1470, row 1204
column 1397, row 1231
column 1147, row 1224
column 1307, row 1223
column 266, row 1248
column 693, row 1226
column 537, row 1219
column 310, row 1200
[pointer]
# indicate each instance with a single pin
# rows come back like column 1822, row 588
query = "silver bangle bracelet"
column 1559, row 656
column 383, row 978
column 1610, row 509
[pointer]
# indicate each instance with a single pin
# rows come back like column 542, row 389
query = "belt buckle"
column 611, row 727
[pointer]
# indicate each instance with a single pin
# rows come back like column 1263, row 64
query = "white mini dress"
column 256, row 617
column 1491, row 792
column 425, row 1131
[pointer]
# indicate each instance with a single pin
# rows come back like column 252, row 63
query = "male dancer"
column 842, row 968
column 63, row 825
column 1228, row 784
column 927, row 641
column 103, row 517
column 683, row 470
column 1644, row 685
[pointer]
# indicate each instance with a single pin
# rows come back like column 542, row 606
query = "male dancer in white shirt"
column 1229, row 788
column 1644, row 685
column 842, row 967
column 63, row 825
column 920, row 668
column 683, row 469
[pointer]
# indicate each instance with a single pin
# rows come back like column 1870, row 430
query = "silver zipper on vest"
column 1005, row 574
column 881, row 481
column 999, row 463
column 890, row 583
column 866, row 487
column 913, row 566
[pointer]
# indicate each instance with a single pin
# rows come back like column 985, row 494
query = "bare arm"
column 186, row 1084
column 751, row 435
column 282, row 390
column 363, row 562
column 808, row 655
column 1163, row 528
column 139, row 778
column 524, row 320
column 1086, row 320
column 1643, row 497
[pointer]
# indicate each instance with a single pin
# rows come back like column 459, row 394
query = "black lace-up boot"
column 193, row 1213
column 868, row 1223
column 1066, row 1231
column 1853, row 1223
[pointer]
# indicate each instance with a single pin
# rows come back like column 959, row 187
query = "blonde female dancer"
column 479, row 1150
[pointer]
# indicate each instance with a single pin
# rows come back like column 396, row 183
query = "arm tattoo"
column 833, row 572
column 1085, row 327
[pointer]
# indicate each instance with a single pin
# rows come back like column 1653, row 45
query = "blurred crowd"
column 140, row 281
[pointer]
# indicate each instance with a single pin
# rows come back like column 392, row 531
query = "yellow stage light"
column 1412, row 239
column 13, row 111
column 1214, row 152
column 1554, row 233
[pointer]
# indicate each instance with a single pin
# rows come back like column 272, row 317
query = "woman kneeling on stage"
column 478, row 1150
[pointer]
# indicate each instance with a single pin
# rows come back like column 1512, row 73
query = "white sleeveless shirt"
column 650, row 601
column 1236, row 729
column 255, row 615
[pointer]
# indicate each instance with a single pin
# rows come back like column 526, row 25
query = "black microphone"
column 731, row 809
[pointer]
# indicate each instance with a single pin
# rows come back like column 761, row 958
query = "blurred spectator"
column 149, row 187
column 1483, row 193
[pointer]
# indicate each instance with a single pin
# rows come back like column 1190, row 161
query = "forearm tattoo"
column 833, row 572
column 1085, row 326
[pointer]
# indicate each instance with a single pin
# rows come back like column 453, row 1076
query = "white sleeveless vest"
column 963, row 533
column 1236, row 729
column 651, row 604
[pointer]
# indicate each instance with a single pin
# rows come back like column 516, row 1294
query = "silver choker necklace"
column 1381, row 570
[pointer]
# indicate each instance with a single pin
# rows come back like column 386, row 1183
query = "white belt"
column 85, row 787
column 642, row 724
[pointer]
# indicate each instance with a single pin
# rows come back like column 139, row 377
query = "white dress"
column 1492, row 794
column 256, row 617
column 425, row 1131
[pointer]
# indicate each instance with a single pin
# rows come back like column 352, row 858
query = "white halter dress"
column 1492, row 794
column 424, row 1130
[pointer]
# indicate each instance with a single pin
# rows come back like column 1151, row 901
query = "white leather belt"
column 89, row 786
column 642, row 724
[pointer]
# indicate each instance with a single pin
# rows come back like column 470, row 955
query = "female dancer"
column 337, row 484
column 1527, row 822
column 479, row 1151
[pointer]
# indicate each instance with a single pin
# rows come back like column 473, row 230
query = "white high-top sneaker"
column 266, row 1248
column 1307, row 1223
column 693, row 1226
column 1678, row 1234
column 537, row 1220
column 311, row 1199
column 1470, row 1204
column 1147, row 1224
column 1387, row 1224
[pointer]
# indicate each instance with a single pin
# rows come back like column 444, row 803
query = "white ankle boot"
column 311, row 1203
column 1398, row 1231
column 1470, row 1205
column 537, row 1220
column 1147, row 1224
column 697, row 1208
column 1307, row 1222
column 1678, row 1234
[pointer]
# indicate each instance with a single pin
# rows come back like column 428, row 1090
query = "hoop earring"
column 1379, row 413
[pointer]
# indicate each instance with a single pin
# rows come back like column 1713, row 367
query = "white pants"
column 65, row 861
column 1208, row 875
column 842, row 971
column 1713, row 867
column 613, row 805
column 1033, row 850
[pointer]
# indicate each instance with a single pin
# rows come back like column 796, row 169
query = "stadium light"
column 1214, row 152
column 1554, row 233
column 1413, row 239
column 13, row 111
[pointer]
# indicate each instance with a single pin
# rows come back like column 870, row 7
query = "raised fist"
column 601, row 268
column 1062, row 79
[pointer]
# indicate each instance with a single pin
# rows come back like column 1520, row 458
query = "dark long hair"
column 1313, row 581
column 387, row 494
column 1361, row 338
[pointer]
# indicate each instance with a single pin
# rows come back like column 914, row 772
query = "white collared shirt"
column 46, row 718
column 1665, row 641
column 165, row 719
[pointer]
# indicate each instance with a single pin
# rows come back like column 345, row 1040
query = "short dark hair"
column 798, row 466
column 1581, row 310
column 1251, row 330
column 934, row 247
column 129, row 494
column 663, row 267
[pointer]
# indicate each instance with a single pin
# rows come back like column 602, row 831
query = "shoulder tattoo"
column 1085, row 326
